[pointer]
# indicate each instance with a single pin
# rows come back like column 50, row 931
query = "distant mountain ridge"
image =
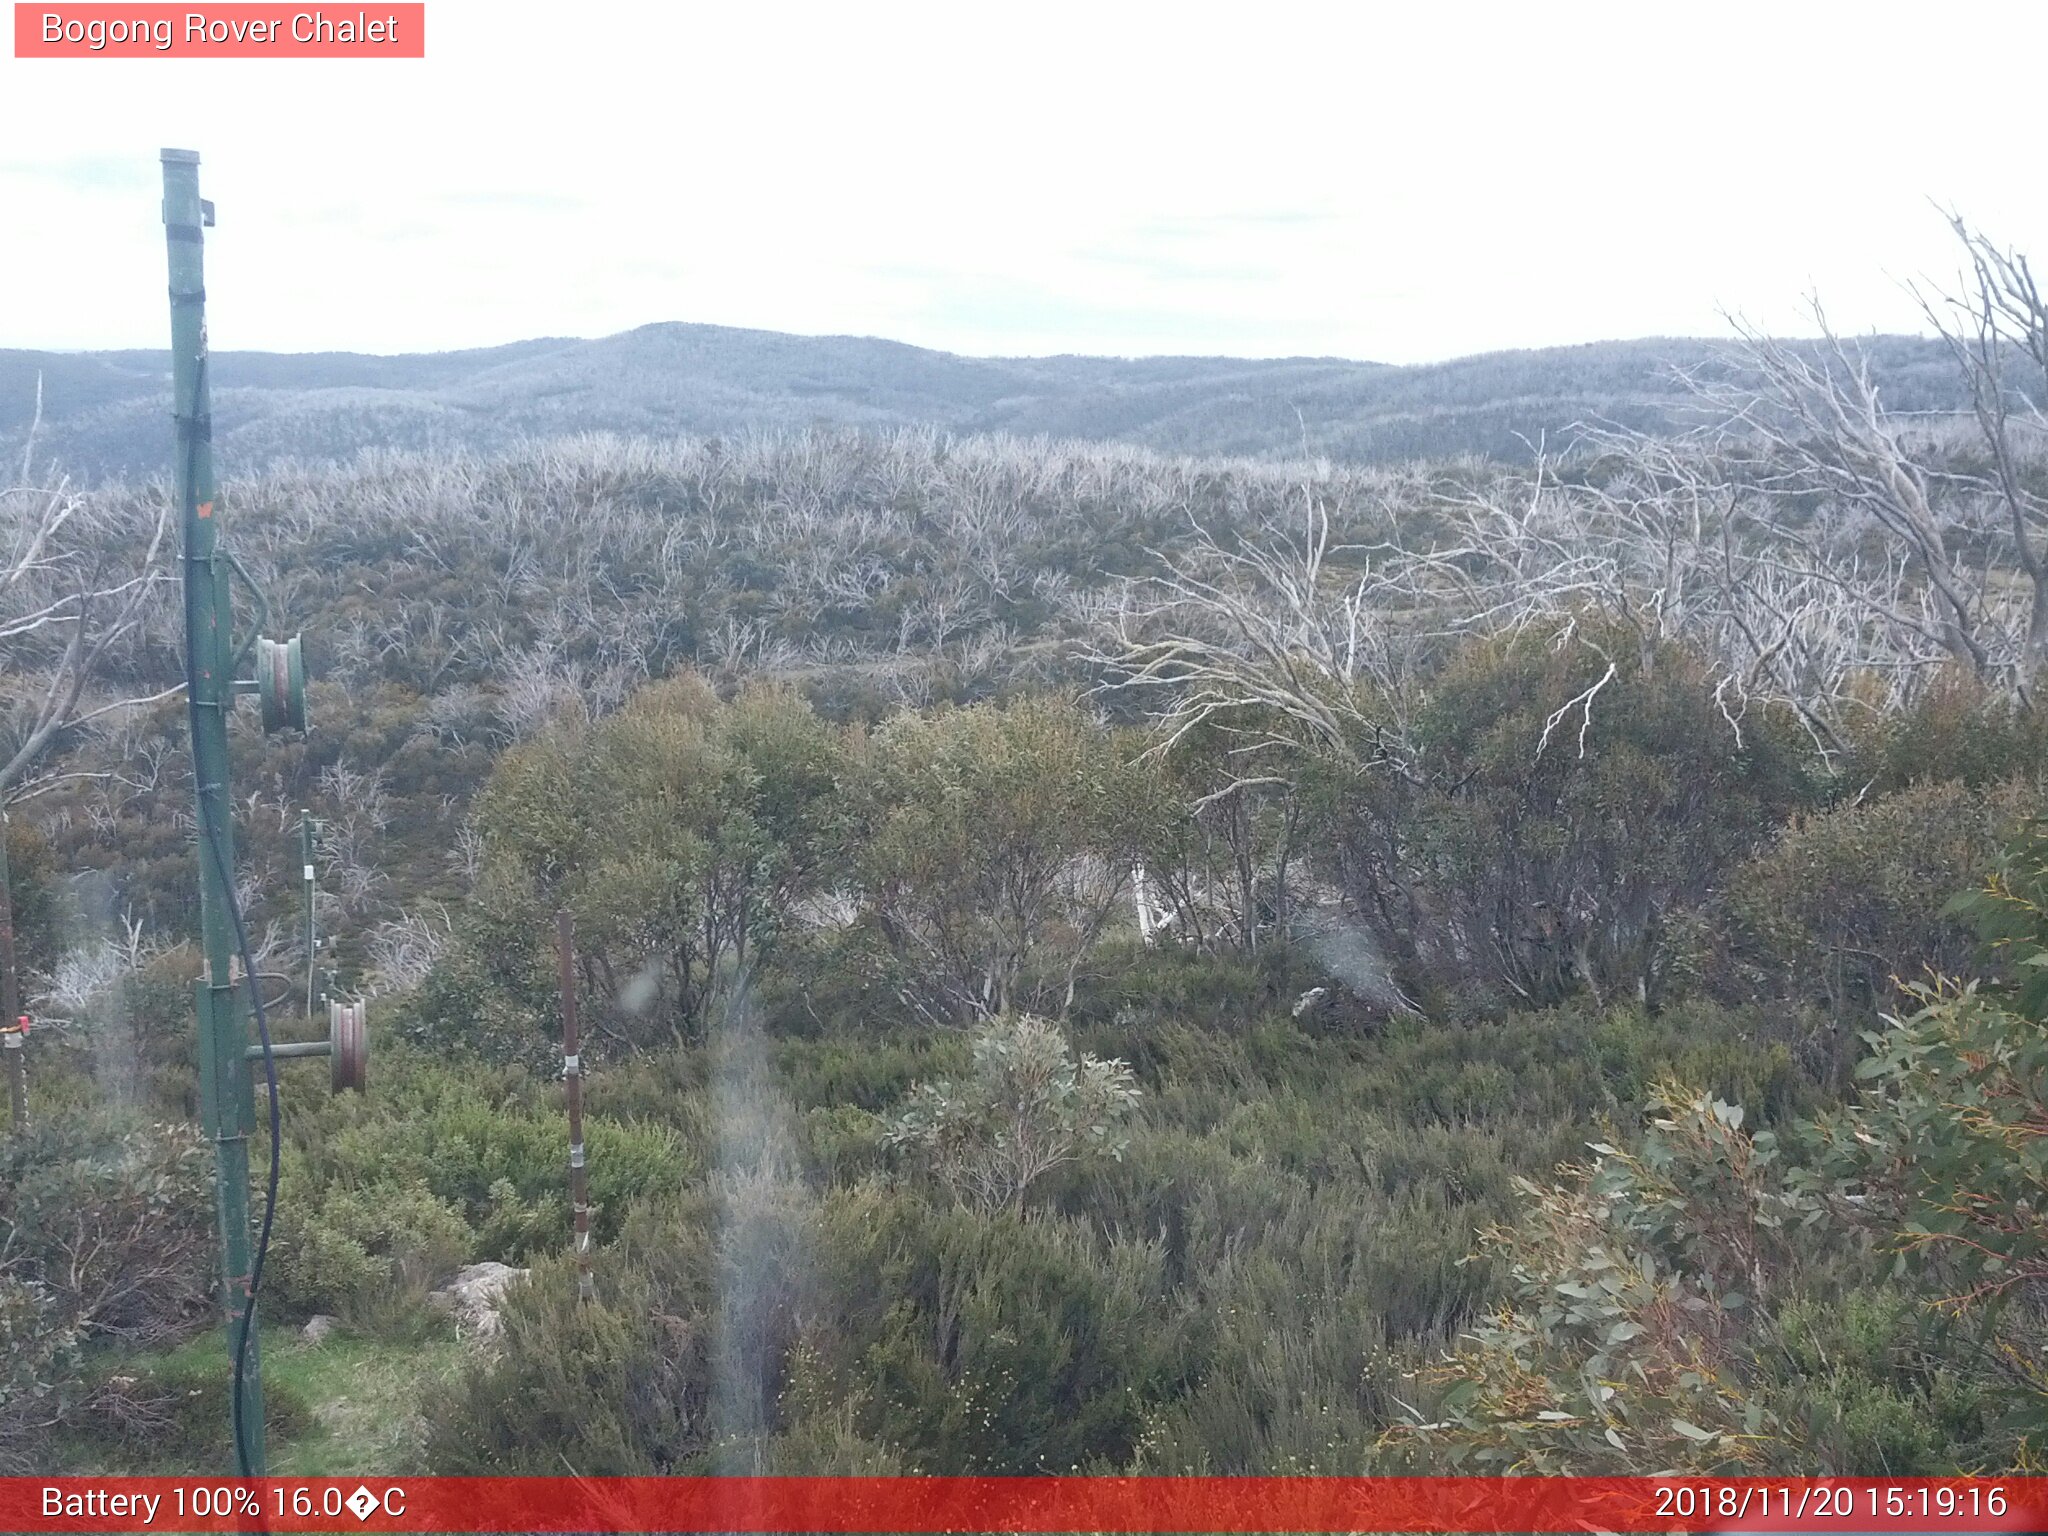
column 105, row 413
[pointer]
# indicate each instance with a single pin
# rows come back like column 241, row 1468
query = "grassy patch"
column 364, row 1397
column 339, row 1408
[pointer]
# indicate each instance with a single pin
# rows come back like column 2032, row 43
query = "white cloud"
column 1395, row 182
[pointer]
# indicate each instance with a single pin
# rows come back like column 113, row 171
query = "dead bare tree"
column 1283, row 646
column 1252, row 633
column 1806, row 426
column 78, row 575
column 403, row 952
column 1797, row 616
column 1996, row 326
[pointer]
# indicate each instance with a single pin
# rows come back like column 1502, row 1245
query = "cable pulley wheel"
column 281, row 683
column 348, row 1037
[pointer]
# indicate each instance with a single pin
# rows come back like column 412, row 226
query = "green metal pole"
column 227, row 1103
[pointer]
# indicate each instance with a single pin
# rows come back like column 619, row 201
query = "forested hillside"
column 103, row 412
column 1092, row 958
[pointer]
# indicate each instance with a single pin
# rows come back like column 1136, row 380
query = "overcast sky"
column 1402, row 182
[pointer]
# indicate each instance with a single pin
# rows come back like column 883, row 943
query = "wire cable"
column 276, row 1155
column 210, row 833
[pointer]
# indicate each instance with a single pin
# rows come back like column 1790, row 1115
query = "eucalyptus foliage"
column 1028, row 1105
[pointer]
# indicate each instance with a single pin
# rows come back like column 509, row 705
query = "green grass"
column 340, row 1408
column 364, row 1397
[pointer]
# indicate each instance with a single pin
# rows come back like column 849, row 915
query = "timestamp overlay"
column 1025, row 1504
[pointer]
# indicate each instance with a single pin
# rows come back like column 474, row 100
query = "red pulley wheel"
column 349, row 1046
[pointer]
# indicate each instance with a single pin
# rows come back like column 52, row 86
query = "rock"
column 318, row 1326
column 474, row 1294
column 1312, row 998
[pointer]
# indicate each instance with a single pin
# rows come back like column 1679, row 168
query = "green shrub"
column 869, row 1072
column 106, row 1237
column 172, row 1414
column 1288, row 1327
column 1874, row 1384
column 995, row 1344
column 494, row 992
column 1547, row 834
column 995, row 848
column 39, row 1352
column 680, row 1364
column 1623, row 1347
column 445, row 1162
column 1958, row 730
column 1025, row 1108
column 35, row 879
column 682, row 832
column 615, row 1387
column 1846, row 907
column 763, row 1325
column 1132, row 985
column 843, row 1145
column 1942, row 1154
column 113, row 1218
column 352, row 1250
column 1696, row 1302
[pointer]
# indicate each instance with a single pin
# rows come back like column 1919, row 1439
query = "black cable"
column 276, row 1153
column 211, row 835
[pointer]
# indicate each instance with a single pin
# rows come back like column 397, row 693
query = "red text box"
column 861, row 1506
column 224, row 31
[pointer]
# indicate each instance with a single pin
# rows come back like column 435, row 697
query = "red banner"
column 223, row 31
column 1025, row 1504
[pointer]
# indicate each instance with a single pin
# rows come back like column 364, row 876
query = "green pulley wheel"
column 281, row 680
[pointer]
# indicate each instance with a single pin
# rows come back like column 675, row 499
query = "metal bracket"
column 347, row 1047
column 235, row 567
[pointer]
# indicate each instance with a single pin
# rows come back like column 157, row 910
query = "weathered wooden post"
column 572, row 1079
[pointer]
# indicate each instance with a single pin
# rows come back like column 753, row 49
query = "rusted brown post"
column 572, row 1078
column 13, row 1036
